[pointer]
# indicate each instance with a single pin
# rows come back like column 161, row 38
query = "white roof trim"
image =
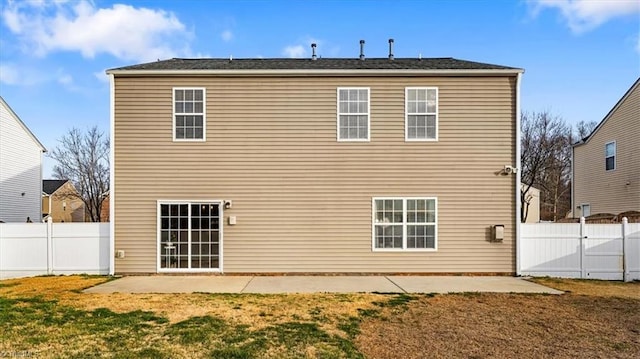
column 617, row 105
column 15, row 116
column 317, row 72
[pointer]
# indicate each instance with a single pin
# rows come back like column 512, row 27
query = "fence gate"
column 603, row 252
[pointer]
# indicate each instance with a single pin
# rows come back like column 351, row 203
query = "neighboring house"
column 532, row 197
column 20, row 169
column 314, row 165
column 606, row 164
column 61, row 201
column 104, row 209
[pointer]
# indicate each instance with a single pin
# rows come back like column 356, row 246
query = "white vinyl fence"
column 579, row 250
column 30, row 249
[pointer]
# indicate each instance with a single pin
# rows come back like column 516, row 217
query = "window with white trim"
column 421, row 113
column 610, row 156
column 189, row 120
column 405, row 223
column 353, row 114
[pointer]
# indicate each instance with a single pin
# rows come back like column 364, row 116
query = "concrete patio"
column 319, row 284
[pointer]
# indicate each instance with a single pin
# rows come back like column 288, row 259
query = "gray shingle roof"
column 319, row 64
column 50, row 186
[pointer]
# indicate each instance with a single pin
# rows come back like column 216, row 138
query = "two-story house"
column 315, row 165
column 61, row 201
column 606, row 164
column 20, row 169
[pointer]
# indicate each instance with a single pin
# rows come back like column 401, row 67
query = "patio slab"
column 173, row 284
column 454, row 284
column 318, row 284
column 321, row 284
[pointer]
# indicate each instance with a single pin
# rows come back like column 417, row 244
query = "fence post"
column 49, row 245
column 583, row 237
column 625, row 258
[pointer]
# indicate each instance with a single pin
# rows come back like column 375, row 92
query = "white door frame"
column 189, row 202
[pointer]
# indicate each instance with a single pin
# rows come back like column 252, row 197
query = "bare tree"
column 83, row 158
column 584, row 129
column 546, row 162
column 545, row 142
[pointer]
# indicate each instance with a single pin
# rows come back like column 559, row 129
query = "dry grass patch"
column 511, row 325
column 597, row 288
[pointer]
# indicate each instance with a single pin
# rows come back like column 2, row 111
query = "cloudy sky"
column 580, row 56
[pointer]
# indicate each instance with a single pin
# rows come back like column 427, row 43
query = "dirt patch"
column 506, row 325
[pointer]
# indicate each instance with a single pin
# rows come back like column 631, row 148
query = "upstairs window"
column 353, row 114
column 421, row 117
column 610, row 156
column 189, row 123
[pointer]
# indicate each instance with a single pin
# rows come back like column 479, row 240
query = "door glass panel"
column 189, row 236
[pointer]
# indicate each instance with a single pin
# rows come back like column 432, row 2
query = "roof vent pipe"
column 313, row 50
column 390, row 49
column 361, row 49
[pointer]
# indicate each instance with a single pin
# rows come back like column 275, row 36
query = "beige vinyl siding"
column 302, row 199
column 618, row 190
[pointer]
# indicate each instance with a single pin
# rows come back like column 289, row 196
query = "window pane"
column 344, row 133
column 188, row 95
column 610, row 163
column 422, row 107
column 198, row 133
column 179, row 107
column 198, row 95
column 431, row 205
column 344, row 107
column 179, row 95
column 412, row 107
column 422, row 95
column 610, row 149
column 198, row 107
column 189, row 121
column 431, row 101
column 412, row 95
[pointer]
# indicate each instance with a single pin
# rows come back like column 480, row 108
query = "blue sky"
column 580, row 56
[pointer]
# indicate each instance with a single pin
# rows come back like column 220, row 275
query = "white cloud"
column 303, row 47
column 16, row 74
column 65, row 79
column 294, row 51
column 226, row 35
column 585, row 15
column 102, row 76
column 123, row 31
column 9, row 74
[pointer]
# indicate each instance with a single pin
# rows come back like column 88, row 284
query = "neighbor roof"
column 208, row 64
column 50, row 186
